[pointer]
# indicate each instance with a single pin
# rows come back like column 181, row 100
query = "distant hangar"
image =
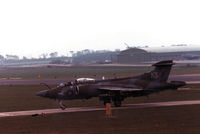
column 133, row 55
column 136, row 55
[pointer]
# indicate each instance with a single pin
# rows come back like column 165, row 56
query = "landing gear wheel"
column 63, row 108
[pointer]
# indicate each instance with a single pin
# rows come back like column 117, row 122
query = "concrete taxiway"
column 85, row 109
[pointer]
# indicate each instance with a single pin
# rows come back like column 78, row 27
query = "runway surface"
column 189, row 78
column 85, row 109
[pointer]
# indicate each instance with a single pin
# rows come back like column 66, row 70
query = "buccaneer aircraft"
column 115, row 90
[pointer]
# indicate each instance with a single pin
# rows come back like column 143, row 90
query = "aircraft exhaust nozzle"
column 178, row 84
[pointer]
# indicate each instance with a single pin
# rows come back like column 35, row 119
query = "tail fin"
column 161, row 71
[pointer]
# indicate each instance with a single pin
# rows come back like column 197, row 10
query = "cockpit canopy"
column 62, row 84
column 85, row 80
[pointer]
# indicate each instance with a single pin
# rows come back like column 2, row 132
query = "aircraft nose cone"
column 42, row 93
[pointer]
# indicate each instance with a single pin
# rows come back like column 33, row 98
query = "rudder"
column 161, row 71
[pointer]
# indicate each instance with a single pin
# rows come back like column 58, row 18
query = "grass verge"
column 160, row 120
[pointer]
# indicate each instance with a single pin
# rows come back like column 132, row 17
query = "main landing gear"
column 117, row 102
column 62, row 106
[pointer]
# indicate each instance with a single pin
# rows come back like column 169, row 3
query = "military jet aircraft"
column 115, row 90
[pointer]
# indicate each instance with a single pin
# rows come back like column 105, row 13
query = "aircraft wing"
column 123, row 89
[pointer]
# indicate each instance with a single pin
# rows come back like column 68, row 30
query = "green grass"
column 160, row 120
column 85, row 71
column 185, row 70
column 68, row 72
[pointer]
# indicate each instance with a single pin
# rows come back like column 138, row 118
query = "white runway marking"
column 84, row 109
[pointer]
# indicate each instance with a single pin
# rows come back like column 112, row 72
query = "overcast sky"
column 32, row 27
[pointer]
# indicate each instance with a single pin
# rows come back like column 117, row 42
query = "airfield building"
column 136, row 55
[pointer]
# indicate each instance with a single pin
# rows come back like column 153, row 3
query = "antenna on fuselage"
column 45, row 85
